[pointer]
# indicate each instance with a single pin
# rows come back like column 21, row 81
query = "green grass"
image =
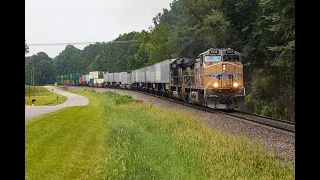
column 67, row 144
column 134, row 140
column 42, row 97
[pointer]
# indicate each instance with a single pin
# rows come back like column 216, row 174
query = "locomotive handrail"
column 205, row 88
column 244, row 89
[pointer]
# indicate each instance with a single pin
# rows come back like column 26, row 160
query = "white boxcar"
column 105, row 77
column 123, row 78
column 110, row 79
column 141, row 75
column 116, row 77
column 150, row 74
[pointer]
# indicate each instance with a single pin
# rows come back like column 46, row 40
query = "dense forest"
column 262, row 30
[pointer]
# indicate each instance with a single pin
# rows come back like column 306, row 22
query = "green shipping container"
column 100, row 75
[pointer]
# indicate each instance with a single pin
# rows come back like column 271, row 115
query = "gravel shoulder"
column 73, row 100
column 280, row 142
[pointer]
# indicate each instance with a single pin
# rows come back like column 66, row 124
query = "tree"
column 68, row 61
column 43, row 69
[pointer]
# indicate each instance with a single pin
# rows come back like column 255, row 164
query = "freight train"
column 213, row 79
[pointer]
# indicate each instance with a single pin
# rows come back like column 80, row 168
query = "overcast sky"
column 65, row 21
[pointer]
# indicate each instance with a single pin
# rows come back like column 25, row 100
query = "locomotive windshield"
column 233, row 58
column 212, row 58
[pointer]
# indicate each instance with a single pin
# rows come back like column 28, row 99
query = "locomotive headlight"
column 215, row 85
column 235, row 84
column 224, row 66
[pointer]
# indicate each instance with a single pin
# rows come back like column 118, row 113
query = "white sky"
column 67, row 21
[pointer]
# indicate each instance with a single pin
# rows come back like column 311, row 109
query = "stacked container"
column 162, row 70
column 98, row 82
column 83, row 78
column 96, row 75
column 133, row 76
column 74, row 79
column 150, row 74
column 141, row 75
column 110, row 77
column 129, row 80
column 105, row 77
column 123, row 78
column 116, row 78
column 79, row 79
column 100, row 75
column 66, row 78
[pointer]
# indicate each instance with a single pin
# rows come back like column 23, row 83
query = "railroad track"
column 287, row 126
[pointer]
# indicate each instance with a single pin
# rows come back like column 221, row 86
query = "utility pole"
column 33, row 76
column 33, row 79
column 30, row 82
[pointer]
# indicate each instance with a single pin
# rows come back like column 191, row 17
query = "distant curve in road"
column 73, row 100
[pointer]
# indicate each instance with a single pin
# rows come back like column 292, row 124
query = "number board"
column 214, row 52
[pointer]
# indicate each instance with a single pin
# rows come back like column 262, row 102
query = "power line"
column 74, row 43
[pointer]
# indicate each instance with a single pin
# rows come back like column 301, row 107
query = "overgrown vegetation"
column 115, row 137
column 263, row 30
column 43, row 96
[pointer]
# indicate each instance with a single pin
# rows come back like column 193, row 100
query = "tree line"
column 262, row 30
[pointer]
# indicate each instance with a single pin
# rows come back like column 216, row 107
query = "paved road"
column 73, row 100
